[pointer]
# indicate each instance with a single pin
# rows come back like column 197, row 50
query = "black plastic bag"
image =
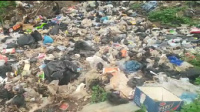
column 64, row 71
column 36, row 35
column 25, row 40
column 4, row 39
column 11, row 45
column 115, row 99
column 5, row 94
column 3, row 69
column 54, row 30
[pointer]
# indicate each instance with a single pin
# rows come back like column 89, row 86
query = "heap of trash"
column 47, row 63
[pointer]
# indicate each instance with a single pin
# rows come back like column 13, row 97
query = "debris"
column 47, row 39
column 54, row 57
column 146, row 96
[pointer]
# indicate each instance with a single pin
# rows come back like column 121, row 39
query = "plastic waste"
column 62, row 48
column 195, row 31
column 64, row 71
column 133, row 82
column 2, row 62
column 119, row 83
column 4, row 69
column 41, row 26
column 130, row 66
column 123, row 53
column 41, row 55
column 175, row 60
column 188, row 97
column 5, row 51
column 47, row 39
column 64, row 106
column 94, row 62
column 25, row 40
column 26, row 69
column 4, row 58
column 41, row 76
column 37, row 36
column 149, row 6
column 54, row 30
column 172, row 32
column 114, row 98
column 15, row 27
column 104, row 18
column 27, row 26
column 110, row 70
column 191, row 73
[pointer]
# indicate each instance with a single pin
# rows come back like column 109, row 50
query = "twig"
column 38, row 10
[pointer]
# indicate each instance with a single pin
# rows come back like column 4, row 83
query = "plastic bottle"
column 5, row 51
column 2, row 62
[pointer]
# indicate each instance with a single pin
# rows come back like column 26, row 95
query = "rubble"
column 52, row 61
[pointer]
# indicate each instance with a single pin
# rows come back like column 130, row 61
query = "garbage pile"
column 41, row 65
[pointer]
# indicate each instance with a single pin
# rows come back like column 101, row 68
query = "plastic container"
column 5, row 51
column 2, row 62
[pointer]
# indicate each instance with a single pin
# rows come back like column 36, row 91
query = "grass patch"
column 195, row 61
column 169, row 16
column 135, row 6
column 3, row 6
column 197, row 81
column 142, row 109
column 192, row 59
column 192, row 107
column 98, row 94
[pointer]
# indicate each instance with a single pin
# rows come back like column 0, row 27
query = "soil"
column 67, row 3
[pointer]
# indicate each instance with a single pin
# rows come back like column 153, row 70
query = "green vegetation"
column 143, row 109
column 192, row 59
column 3, row 6
column 135, row 6
column 98, row 94
column 192, row 107
column 169, row 16
column 195, row 61
column 197, row 81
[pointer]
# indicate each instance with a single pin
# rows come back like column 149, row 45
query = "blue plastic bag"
column 47, row 39
column 131, row 66
column 104, row 18
column 149, row 6
column 175, row 60
column 188, row 97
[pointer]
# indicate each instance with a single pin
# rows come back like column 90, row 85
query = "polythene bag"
column 25, row 40
column 54, row 30
column 47, row 39
column 37, row 36
column 64, row 71
column 175, row 60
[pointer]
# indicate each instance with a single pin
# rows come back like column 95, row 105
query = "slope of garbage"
column 96, row 57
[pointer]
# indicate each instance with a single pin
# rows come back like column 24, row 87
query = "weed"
column 197, row 81
column 168, row 16
column 143, row 109
column 192, row 107
column 135, row 6
column 98, row 94
column 3, row 6
column 192, row 59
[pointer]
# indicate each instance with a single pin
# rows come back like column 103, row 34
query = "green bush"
column 135, row 6
column 168, row 16
column 192, row 107
column 194, row 61
column 197, row 81
column 98, row 94
column 142, row 109
column 3, row 6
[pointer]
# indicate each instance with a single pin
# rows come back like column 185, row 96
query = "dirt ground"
column 67, row 3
